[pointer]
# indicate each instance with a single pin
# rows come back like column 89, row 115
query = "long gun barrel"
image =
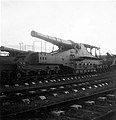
column 53, row 40
column 60, row 42
column 7, row 49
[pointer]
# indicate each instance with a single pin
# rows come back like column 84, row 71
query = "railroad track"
column 57, row 91
column 89, row 108
column 94, row 107
column 33, row 82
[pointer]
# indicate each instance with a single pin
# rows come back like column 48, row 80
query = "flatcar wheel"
column 43, row 72
column 18, row 75
column 51, row 72
column 60, row 72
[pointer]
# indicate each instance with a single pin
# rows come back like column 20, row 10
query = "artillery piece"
column 72, row 56
column 10, row 62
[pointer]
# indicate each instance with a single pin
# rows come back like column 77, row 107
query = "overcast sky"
column 83, row 21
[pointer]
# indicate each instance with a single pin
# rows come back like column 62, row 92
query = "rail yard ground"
column 85, row 97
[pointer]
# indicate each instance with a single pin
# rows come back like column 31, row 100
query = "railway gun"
column 70, row 58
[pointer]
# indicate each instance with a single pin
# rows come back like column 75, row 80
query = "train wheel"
column 51, row 72
column 18, row 75
column 42, row 72
column 60, row 72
